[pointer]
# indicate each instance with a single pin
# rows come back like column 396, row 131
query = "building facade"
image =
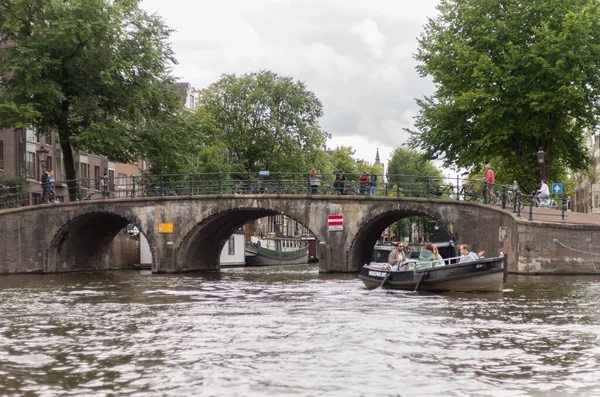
column 587, row 191
column 19, row 149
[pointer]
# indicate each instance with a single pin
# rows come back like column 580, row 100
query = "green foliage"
column 341, row 158
column 407, row 167
column 511, row 76
column 18, row 181
column 266, row 121
column 96, row 71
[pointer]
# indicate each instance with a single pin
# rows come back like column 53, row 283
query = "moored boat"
column 277, row 251
column 484, row 275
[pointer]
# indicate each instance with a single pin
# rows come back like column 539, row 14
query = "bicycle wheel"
column 469, row 194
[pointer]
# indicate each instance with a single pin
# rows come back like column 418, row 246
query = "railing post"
column 457, row 188
column 105, row 186
column 279, row 182
column 485, row 193
column 191, row 184
column 220, row 184
column 133, row 186
column 518, row 202
column 530, row 210
column 162, row 184
column 427, row 187
column 398, row 188
column 308, row 183
column 563, row 208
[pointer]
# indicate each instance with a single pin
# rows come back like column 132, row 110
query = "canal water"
column 290, row 331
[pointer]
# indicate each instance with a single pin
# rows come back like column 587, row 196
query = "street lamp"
column 540, row 158
column 42, row 156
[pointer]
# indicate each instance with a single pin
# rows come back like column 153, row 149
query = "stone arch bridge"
column 77, row 236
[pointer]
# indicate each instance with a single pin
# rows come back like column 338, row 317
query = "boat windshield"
column 381, row 255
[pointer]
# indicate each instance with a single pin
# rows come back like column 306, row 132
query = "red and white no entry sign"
column 335, row 223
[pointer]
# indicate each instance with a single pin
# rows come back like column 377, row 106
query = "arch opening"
column 202, row 246
column 93, row 241
column 377, row 231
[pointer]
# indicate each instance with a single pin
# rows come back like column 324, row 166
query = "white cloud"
column 370, row 35
column 356, row 56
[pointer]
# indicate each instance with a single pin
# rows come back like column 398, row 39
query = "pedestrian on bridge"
column 339, row 182
column 363, row 183
column 315, row 180
column 372, row 184
column 490, row 178
column 44, row 182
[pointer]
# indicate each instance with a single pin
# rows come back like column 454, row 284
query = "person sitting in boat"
column 468, row 256
column 397, row 257
column 438, row 258
column 428, row 259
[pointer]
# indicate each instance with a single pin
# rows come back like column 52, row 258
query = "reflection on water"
column 292, row 331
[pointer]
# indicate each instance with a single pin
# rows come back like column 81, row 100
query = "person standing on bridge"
column 339, row 182
column 490, row 178
column 44, row 182
column 363, row 183
column 51, row 195
column 372, row 184
column 315, row 181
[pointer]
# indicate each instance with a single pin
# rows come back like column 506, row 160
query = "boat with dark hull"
column 277, row 251
column 484, row 275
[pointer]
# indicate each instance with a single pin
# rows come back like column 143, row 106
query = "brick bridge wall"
column 80, row 236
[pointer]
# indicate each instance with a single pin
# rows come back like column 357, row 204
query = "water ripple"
column 293, row 332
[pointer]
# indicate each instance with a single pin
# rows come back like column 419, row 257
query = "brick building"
column 587, row 191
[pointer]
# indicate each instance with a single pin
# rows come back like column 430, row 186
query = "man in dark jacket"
column 44, row 186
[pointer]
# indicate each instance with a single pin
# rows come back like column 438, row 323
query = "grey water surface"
column 290, row 331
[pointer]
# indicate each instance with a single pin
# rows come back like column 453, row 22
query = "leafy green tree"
column 511, row 76
column 196, row 150
column 96, row 71
column 409, row 170
column 341, row 158
column 267, row 122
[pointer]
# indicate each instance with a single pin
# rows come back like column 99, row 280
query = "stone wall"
column 548, row 248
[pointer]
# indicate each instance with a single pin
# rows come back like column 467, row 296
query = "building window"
column 231, row 246
column 31, row 136
column 58, row 172
column 1, row 155
column 49, row 164
column 85, row 171
column 123, row 181
column 31, row 165
column 96, row 177
column 111, row 180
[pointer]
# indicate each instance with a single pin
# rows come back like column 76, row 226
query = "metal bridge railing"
column 275, row 183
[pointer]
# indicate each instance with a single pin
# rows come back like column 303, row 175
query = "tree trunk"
column 69, row 165
column 64, row 134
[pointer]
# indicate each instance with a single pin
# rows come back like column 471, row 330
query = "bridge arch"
column 83, row 243
column 361, row 249
column 201, row 245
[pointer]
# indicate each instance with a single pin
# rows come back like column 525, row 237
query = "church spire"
column 377, row 161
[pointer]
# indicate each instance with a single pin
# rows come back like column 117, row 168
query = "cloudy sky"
column 355, row 55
